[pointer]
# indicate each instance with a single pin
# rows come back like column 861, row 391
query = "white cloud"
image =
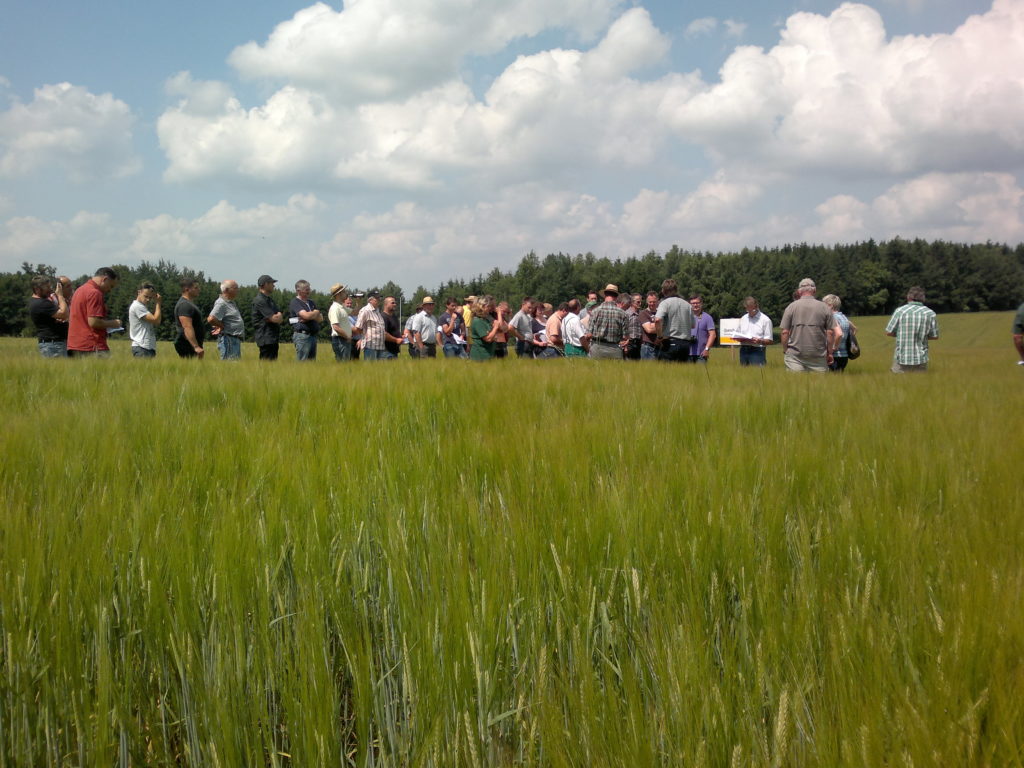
column 701, row 27
column 836, row 96
column 394, row 48
column 66, row 126
column 960, row 207
column 554, row 109
column 77, row 246
column 734, row 28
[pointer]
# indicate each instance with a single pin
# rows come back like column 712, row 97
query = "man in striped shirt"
column 370, row 324
column 912, row 325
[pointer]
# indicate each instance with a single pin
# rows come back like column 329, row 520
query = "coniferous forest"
column 871, row 278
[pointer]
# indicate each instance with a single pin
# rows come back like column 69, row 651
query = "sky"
column 424, row 140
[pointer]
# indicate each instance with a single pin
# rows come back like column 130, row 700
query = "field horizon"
column 547, row 563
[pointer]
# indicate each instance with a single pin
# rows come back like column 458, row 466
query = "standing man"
column 266, row 319
column 87, row 317
column 188, row 321
column 451, row 331
column 341, row 328
column 607, row 327
column 49, row 313
column 553, row 328
column 305, row 320
column 521, row 326
column 674, row 322
column 634, row 333
column 810, row 333
column 754, row 332
column 226, row 318
column 912, row 325
column 370, row 325
column 649, row 341
column 392, row 329
column 704, row 330
column 1018, row 333
column 424, row 329
column 142, row 323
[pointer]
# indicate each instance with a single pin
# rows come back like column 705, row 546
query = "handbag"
column 852, row 347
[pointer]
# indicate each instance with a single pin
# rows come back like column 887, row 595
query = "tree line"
column 871, row 279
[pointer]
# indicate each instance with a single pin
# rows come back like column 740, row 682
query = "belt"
column 231, row 335
column 605, row 341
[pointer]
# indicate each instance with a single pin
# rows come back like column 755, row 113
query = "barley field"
column 536, row 563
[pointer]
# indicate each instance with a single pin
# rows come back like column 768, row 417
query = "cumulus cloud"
column 557, row 107
column 961, row 207
column 394, row 48
column 836, row 95
column 734, row 28
column 68, row 127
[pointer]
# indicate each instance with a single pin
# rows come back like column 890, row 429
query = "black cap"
column 264, row 279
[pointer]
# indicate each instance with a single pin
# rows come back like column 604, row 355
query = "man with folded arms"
column 674, row 321
column 266, row 319
column 226, row 318
column 341, row 328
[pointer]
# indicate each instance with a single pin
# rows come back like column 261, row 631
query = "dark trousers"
column 632, row 351
column 269, row 351
column 675, row 350
column 183, row 347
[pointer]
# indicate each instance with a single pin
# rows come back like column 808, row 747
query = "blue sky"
column 417, row 140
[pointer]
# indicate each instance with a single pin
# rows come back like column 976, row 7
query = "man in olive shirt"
column 266, row 319
column 810, row 333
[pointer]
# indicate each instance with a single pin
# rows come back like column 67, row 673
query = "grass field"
column 560, row 563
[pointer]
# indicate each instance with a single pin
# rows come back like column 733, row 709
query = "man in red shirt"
column 88, row 321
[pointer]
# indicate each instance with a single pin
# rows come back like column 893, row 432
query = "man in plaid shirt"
column 912, row 325
column 607, row 327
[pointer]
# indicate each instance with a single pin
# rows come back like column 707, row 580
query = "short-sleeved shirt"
column 1018, row 321
column 426, row 326
column 392, row 326
column 264, row 306
column 808, row 322
column 572, row 330
column 608, row 323
column 185, row 308
column 458, row 334
column 703, row 326
column 913, row 324
column 87, row 302
column 844, row 346
column 141, row 331
column 646, row 316
column 227, row 312
column 337, row 315
column 42, row 312
column 523, row 324
column 372, row 322
column 480, row 349
column 676, row 318
column 633, row 329
column 296, row 305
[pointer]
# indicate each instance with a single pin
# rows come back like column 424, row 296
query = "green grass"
column 557, row 564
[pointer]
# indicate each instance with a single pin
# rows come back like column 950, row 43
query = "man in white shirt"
column 424, row 329
column 754, row 332
column 142, row 323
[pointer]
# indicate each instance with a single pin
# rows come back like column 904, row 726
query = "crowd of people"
column 610, row 325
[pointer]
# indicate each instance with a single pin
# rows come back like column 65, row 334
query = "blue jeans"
column 342, row 348
column 455, row 350
column 372, row 355
column 53, row 348
column 305, row 346
column 752, row 355
column 648, row 351
column 142, row 352
column 230, row 347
